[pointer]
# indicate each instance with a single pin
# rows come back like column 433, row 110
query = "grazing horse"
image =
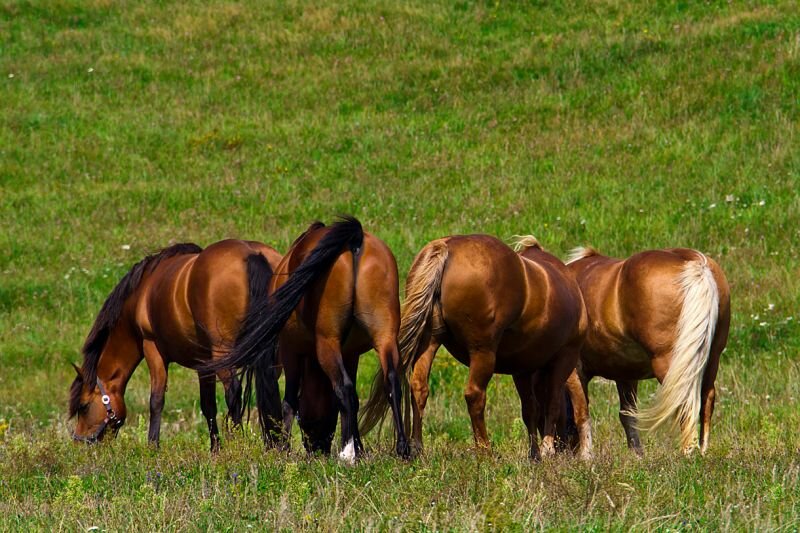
column 662, row 314
column 182, row 305
column 332, row 298
column 496, row 312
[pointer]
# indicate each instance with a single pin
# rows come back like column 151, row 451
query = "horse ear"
column 77, row 370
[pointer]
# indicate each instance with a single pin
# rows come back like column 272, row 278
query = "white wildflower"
column 126, row 246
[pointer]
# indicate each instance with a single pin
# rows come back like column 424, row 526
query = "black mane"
column 110, row 313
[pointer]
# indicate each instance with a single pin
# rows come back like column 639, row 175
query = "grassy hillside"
column 126, row 126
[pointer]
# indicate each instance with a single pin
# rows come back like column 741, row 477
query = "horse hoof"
column 404, row 450
column 348, row 455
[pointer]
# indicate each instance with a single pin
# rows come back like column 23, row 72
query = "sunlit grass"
column 125, row 127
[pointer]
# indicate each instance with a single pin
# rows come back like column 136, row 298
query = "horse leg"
column 708, row 394
column 627, row 391
column 481, row 370
column 208, row 405
column 351, row 367
column 158, row 388
column 580, row 409
column 556, row 374
column 707, row 397
column 524, row 384
column 317, row 410
column 419, row 390
column 292, row 368
column 330, row 359
column 233, row 395
column 389, row 356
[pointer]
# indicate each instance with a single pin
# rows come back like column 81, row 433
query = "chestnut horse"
column 333, row 297
column 662, row 314
column 182, row 305
column 496, row 312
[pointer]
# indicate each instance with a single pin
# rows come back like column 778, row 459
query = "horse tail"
column 256, row 350
column 259, row 274
column 423, row 288
column 678, row 400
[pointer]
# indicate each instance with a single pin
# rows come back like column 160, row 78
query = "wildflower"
column 90, row 70
column 712, row 206
column 126, row 246
column 729, row 198
column 762, row 202
column 763, row 324
column 10, row 76
column 770, row 307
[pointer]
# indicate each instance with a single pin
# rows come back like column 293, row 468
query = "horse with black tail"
column 663, row 314
column 182, row 305
column 333, row 297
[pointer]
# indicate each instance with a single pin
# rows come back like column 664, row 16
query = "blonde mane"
column 522, row 242
column 581, row 252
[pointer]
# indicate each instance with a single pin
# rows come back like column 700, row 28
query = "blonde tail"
column 678, row 400
column 422, row 288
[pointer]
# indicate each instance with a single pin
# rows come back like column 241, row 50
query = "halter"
column 110, row 419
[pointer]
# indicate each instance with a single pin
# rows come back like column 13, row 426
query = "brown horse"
column 182, row 305
column 496, row 312
column 333, row 297
column 662, row 314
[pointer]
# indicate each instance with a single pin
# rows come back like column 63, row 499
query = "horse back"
column 218, row 288
column 327, row 309
column 163, row 313
column 555, row 308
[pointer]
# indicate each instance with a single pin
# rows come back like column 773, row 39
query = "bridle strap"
column 111, row 418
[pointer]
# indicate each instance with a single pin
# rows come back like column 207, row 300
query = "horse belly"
column 622, row 360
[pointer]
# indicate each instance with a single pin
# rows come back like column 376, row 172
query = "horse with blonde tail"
column 662, row 314
column 496, row 312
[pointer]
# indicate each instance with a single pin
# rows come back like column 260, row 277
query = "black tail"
column 259, row 274
column 256, row 349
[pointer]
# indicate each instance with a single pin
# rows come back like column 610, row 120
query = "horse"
column 181, row 305
column 333, row 297
column 659, row 313
column 496, row 312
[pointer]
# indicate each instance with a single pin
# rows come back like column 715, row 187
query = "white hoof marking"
column 348, row 455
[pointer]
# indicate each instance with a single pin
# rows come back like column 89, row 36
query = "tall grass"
column 129, row 125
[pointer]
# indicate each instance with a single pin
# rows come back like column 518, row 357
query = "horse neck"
column 120, row 357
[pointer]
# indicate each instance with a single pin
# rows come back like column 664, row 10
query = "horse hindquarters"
column 681, row 370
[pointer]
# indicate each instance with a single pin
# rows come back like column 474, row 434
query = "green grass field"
column 138, row 124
